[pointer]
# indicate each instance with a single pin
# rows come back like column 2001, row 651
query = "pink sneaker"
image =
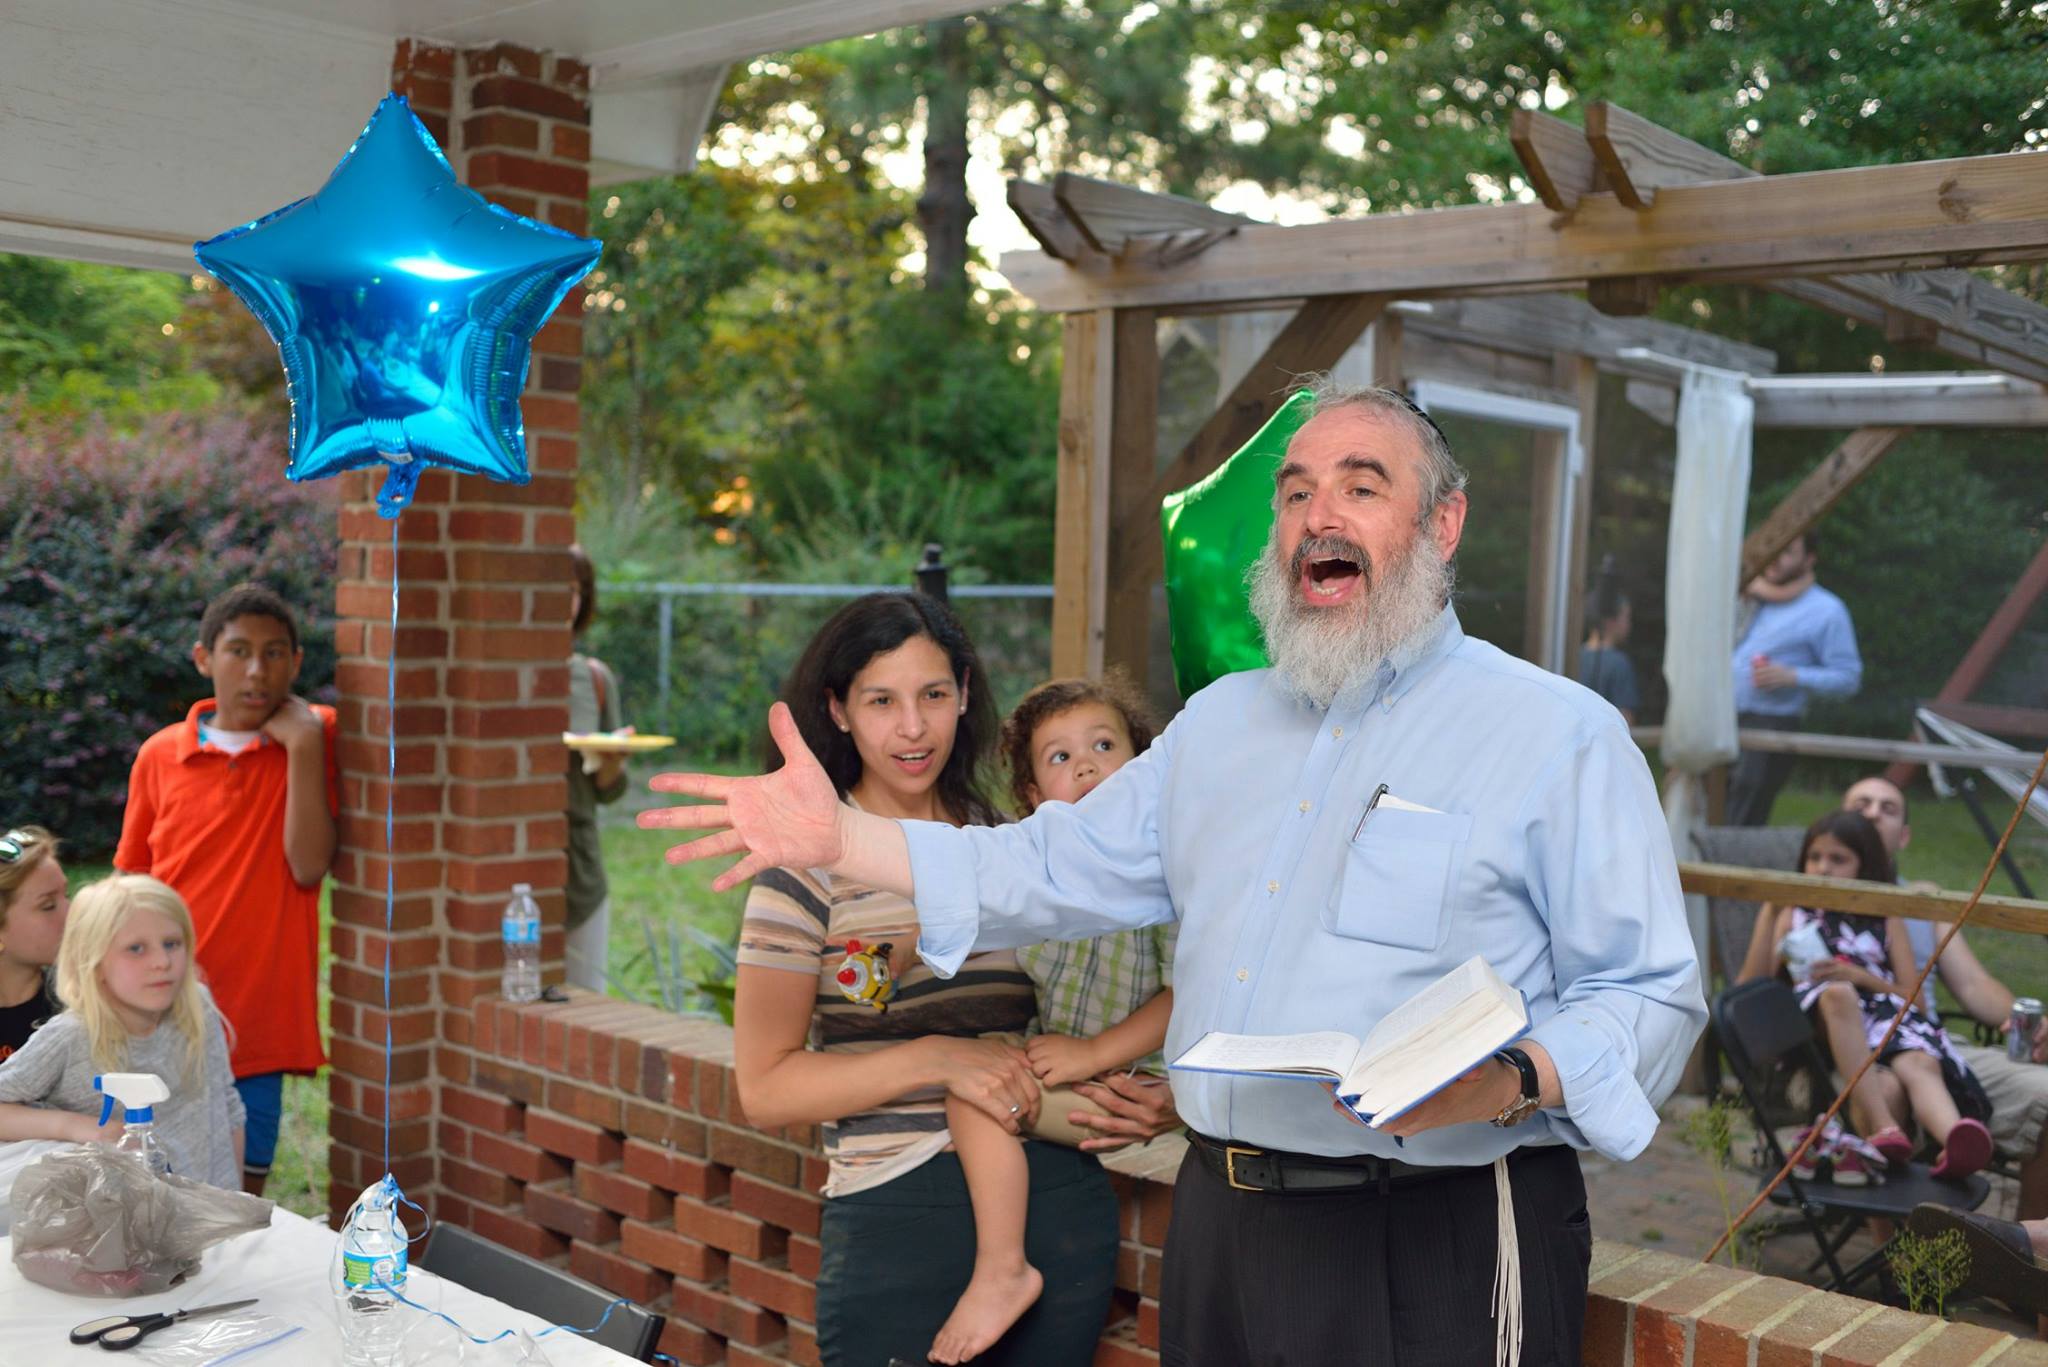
column 1968, row 1149
column 1891, row 1141
column 1851, row 1170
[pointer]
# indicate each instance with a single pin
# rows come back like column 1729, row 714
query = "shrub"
column 113, row 543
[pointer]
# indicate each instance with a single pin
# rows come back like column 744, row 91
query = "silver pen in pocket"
column 1370, row 803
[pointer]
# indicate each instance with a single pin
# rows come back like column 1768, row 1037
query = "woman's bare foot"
column 992, row 1302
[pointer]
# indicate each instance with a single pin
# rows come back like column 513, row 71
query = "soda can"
column 2019, row 1041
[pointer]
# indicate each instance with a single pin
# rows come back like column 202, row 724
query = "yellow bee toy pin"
column 864, row 977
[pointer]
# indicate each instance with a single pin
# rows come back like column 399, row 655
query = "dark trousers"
column 897, row 1256
column 1758, row 776
column 1401, row 1279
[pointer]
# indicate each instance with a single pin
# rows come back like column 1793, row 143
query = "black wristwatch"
column 1525, row 1105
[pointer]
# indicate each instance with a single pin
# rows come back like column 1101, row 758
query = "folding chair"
column 473, row 1261
column 1763, row 1030
column 1730, row 920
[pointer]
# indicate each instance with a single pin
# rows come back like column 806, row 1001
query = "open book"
column 1420, row 1047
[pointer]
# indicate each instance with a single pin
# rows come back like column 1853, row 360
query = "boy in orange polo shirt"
column 234, row 807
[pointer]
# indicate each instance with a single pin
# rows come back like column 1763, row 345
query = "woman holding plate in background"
column 596, row 774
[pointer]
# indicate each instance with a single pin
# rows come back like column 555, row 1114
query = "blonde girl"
column 132, row 1005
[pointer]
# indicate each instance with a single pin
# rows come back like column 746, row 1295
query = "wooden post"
column 1580, row 375
column 1133, row 459
column 1386, row 352
column 1548, row 472
column 1081, row 522
column 1558, row 499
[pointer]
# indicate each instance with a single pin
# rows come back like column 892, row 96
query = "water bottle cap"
column 522, row 889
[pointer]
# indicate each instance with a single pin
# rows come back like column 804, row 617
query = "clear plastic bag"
column 220, row 1339
column 437, row 1341
column 96, row 1222
column 15, row 1157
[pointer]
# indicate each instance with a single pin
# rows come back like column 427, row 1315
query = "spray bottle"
column 138, row 1094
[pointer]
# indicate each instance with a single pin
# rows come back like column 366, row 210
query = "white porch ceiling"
column 131, row 128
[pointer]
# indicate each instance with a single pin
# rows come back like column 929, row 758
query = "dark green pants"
column 897, row 1256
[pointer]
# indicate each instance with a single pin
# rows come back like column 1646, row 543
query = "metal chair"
column 1762, row 1030
column 559, row 1297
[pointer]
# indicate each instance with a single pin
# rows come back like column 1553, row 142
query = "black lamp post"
column 931, row 572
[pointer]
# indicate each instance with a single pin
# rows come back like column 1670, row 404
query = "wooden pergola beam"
column 1859, row 898
column 1112, row 217
column 1971, row 209
column 1956, row 314
column 1556, row 157
column 1046, row 221
column 1545, row 325
column 1965, row 402
column 1946, row 309
column 1835, row 476
column 1639, row 158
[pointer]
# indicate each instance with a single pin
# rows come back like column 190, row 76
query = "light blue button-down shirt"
column 1546, row 852
column 1812, row 635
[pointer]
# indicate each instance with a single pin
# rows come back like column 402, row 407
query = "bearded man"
column 1389, row 799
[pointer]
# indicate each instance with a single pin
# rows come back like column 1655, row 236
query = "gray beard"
column 1321, row 655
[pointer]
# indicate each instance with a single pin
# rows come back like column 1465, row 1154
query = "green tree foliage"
column 1408, row 102
column 78, row 339
column 1102, row 88
column 761, row 362
column 654, row 362
column 112, row 542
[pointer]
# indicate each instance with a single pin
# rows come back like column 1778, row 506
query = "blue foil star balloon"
column 403, row 305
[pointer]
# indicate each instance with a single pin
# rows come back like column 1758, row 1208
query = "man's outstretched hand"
column 791, row 818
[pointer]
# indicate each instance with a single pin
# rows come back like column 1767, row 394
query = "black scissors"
column 116, row 1332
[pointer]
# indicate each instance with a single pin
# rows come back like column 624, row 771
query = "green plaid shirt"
column 1086, row 986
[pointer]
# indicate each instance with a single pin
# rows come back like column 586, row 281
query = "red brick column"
column 482, row 642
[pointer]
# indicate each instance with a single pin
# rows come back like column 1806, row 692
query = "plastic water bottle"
column 369, row 1264
column 522, row 946
column 139, row 1138
column 138, row 1094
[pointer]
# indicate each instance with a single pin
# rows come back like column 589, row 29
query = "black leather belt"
column 1270, row 1170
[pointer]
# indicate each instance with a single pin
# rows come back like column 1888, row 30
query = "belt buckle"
column 1230, row 1153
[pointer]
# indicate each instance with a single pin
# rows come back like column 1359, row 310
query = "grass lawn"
column 649, row 897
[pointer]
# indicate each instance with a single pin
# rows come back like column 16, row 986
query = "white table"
column 286, row 1268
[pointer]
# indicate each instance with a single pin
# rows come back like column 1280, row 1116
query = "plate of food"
column 627, row 742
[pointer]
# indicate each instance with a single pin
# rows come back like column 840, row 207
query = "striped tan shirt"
column 799, row 921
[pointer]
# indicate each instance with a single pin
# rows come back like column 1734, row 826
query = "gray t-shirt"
column 195, row 1127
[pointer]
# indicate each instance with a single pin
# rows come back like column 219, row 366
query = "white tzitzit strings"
column 1507, row 1273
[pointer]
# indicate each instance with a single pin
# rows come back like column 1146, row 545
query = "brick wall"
column 1654, row 1310
column 607, row 1137
column 482, row 641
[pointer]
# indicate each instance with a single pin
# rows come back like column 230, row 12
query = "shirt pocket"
column 1397, row 879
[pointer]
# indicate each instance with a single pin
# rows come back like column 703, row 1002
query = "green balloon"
column 1215, row 529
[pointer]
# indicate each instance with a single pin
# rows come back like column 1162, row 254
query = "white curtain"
column 1709, row 495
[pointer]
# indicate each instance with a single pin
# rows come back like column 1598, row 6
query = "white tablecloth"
column 286, row 1268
